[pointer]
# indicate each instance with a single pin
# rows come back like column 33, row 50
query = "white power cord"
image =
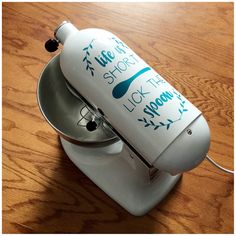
column 218, row 166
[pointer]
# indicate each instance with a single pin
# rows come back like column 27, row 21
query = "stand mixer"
column 119, row 121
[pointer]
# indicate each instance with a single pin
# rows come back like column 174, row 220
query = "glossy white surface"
column 124, row 179
column 188, row 150
column 148, row 127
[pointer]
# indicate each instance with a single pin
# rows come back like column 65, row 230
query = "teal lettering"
column 168, row 95
column 159, row 102
column 119, row 50
column 101, row 61
column 132, row 56
column 111, row 54
column 135, row 99
column 142, row 93
column 109, row 78
column 122, row 66
column 105, row 58
column 138, row 99
column 145, row 110
column 108, row 55
column 163, row 98
column 130, row 110
column 115, row 70
column 152, row 108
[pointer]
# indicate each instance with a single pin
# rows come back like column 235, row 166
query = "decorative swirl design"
column 86, row 58
column 168, row 122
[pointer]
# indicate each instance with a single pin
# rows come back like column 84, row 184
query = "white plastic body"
column 124, row 179
column 146, row 110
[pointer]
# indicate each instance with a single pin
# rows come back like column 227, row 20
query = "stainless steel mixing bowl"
column 67, row 114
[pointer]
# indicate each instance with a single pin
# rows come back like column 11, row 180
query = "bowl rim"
column 64, row 135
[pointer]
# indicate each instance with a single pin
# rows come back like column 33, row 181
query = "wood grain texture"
column 189, row 44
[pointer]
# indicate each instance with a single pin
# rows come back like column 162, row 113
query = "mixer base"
column 115, row 172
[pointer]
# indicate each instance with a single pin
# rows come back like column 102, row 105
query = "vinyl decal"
column 120, row 89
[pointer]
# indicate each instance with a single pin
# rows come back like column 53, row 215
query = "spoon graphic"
column 120, row 89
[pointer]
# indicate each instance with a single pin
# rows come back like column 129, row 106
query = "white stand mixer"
column 101, row 148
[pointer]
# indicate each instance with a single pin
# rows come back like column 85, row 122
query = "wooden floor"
column 189, row 44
